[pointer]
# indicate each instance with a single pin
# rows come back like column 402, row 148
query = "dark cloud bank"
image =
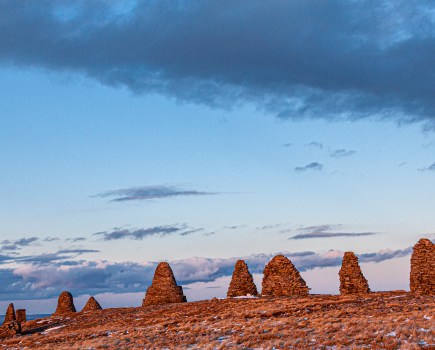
column 46, row 275
column 302, row 58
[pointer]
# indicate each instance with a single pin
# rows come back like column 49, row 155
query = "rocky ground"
column 391, row 320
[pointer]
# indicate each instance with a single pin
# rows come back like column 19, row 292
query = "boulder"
column 242, row 283
column 65, row 304
column 92, row 305
column 164, row 289
column 422, row 277
column 281, row 278
column 352, row 280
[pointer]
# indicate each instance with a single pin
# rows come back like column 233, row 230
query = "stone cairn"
column 422, row 277
column 352, row 280
column 281, row 278
column 92, row 305
column 21, row 315
column 10, row 314
column 164, row 289
column 10, row 325
column 65, row 304
column 242, row 283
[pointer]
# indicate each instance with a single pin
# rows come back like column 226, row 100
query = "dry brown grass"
column 378, row 321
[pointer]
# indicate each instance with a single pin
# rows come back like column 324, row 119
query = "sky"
column 198, row 133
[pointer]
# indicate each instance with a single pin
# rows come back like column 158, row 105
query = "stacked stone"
column 422, row 277
column 164, row 289
column 21, row 315
column 352, row 280
column 10, row 314
column 281, row 278
column 10, row 325
column 65, row 304
column 242, row 283
column 92, row 305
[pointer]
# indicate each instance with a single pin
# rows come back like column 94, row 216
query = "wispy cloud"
column 76, row 239
column 327, row 231
column 342, row 153
column 428, row 168
column 150, row 193
column 235, row 227
column 51, row 239
column 268, row 227
column 142, row 233
column 315, row 144
column 18, row 244
column 309, row 66
column 310, row 166
column 46, row 258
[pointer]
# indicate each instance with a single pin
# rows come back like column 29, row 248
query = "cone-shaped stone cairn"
column 10, row 325
column 242, row 283
column 164, row 289
column 65, row 304
column 10, row 314
column 92, row 305
column 352, row 280
column 281, row 278
column 422, row 277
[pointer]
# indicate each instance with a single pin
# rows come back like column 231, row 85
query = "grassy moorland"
column 387, row 320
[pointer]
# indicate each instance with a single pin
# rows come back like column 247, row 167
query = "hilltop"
column 382, row 320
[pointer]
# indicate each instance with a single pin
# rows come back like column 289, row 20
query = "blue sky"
column 200, row 133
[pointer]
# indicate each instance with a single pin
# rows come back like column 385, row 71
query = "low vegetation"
column 387, row 320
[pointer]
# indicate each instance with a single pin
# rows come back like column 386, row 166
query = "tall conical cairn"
column 164, row 289
column 10, row 314
column 92, row 305
column 242, row 283
column 352, row 280
column 281, row 278
column 10, row 325
column 65, row 304
column 422, row 277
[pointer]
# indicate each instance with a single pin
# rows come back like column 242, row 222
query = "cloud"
column 268, row 227
column 35, row 281
column 316, row 144
column 310, row 166
column 235, row 227
column 324, row 231
column 156, row 231
column 335, row 60
column 341, row 153
column 51, row 239
column 50, row 258
column 429, row 168
column 18, row 244
column 289, row 144
column 76, row 239
column 149, row 193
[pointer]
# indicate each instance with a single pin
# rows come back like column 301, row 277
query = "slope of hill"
column 383, row 320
